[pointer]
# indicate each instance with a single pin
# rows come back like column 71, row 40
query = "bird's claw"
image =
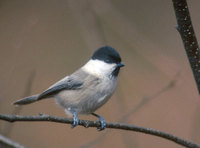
column 103, row 124
column 75, row 118
column 75, row 121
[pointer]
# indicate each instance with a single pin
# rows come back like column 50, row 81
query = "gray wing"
column 68, row 83
column 72, row 82
column 65, row 84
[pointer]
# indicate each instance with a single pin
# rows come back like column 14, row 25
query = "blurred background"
column 43, row 41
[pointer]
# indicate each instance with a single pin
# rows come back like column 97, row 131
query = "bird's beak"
column 120, row 65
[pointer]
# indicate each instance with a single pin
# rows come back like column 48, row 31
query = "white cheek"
column 97, row 67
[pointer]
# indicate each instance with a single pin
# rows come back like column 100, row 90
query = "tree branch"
column 6, row 142
column 7, row 129
column 134, row 110
column 86, row 123
column 186, row 31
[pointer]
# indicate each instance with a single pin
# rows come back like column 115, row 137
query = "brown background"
column 43, row 41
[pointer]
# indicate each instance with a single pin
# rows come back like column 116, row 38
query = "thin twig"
column 142, row 103
column 4, row 141
column 8, row 127
column 86, row 123
column 186, row 31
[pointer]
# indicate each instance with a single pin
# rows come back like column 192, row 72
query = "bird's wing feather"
column 68, row 84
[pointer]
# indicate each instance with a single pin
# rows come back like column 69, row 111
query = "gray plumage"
column 88, row 88
column 27, row 100
column 72, row 92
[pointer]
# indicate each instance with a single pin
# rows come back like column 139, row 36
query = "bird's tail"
column 27, row 100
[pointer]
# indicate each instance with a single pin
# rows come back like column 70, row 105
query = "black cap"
column 107, row 54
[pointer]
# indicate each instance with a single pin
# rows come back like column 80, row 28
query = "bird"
column 87, row 89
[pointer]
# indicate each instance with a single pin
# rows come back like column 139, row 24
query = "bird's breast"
column 93, row 94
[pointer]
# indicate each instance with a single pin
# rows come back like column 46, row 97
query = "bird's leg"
column 75, row 118
column 102, row 122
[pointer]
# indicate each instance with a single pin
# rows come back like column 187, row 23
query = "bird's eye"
column 108, row 61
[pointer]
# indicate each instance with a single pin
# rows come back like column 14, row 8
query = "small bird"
column 87, row 89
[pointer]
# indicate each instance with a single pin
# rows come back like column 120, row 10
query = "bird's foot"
column 75, row 118
column 102, row 122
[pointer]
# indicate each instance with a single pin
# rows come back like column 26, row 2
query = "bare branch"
column 186, row 31
column 4, row 141
column 86, row 123
column 142, row 103
column 8, row 127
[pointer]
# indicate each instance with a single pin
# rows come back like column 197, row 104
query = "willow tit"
column 88, row 88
